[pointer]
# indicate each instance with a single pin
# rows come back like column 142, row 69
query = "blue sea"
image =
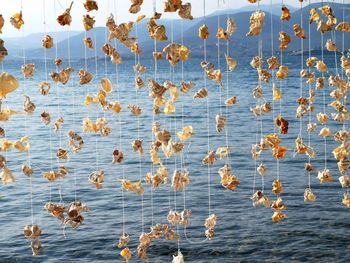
column 313, row 232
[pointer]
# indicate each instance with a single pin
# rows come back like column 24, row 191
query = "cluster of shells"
column 165, row 96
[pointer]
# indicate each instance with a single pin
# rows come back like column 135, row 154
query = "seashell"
column 27, row 170
column 44, row 88
column 58, row 123
column 90, row 5
column 36, row 247
column 6, row 175
column 231, row 26
column 62, row 154
column 186, row 86
column 85, row 77
column 210, row 224
column 321, row 66
column 228, row 181
column 180, row 180
column 3, row 50
column 343, row 166
column 273, row 63
column 209, row 159
column 261, row 169
column 257, row 92
column 123, row 240
column 311, row 62
column 17, row 20
column 278, row 217
column 28, row 106
column 200, row 94
column 175, row 53
column 346, row 200
column 278, row 205
column 63, row 76
column 97, row 178
column 157, row 55
column 135, row 110
column 325, row 176
column 179, row 258
column 222, row 152
column 256, row 62
column 156, row 32
column 126, row 254
column 256, row 23
column 171, row 6
column 65, row 18
column 2, row 22
column 56, row 210
column 118, row 156
column 277, row 187
column 186, row 133
column 331, row 46
column 139, row 18
column 28, row 70
column 221, row 34
column 298, row 31
column 8, row 84
column 137, row 146
column 285, row 15
column 136, row 187
column 231, row 63
column 314, row 16
column 75, row 141
column 309, row 167
column 185, row 11
column 343, row 26
column 203, row 32
column 258, row 199
column 2, row 161
column 58, row 62
column 32, row 231
column 276, row 92
column 264, row 75
column 284, row 39
column 309, row 196
column 231, row 101
column 169, row 233
column 325, row 132
column 48, row 41
column 344, row 181
column 88, row 42
column 220, row 122
column 282, row 72
column 139, row 82
column 322, row 118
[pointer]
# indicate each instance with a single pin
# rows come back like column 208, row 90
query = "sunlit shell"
column 285, row 14
column 3, row 50
column 209, row 159
column 282, row 124
column 325, row 176
column 203, row 32
column 135, row 110
column 222, row 152
column 346, row 200
column 278, row 205
column 88, row 22
column 282, row 72
column 16, row 20
column 256, row 62
column 276, row 92
column 221, row 34
column 261, row 169
column 231, row 101
column 284, row 39
column 97, row 178
column 322, row 118
column 321, row 66
column 343, row 26
column 48, row 41
column 277, row 187
column 220, row 122
column 259, row 198
column 88, row 42
column 8, row 84
column 298, row 31
column 278, row 217
column 65, row 18
column 6, row 175
column 157, row 55
column 325, row 132
column 155, row 31
column 185, row 11
column 186, row 133
column 311, row 61
column 90, row 5
column 231, row 63
column 309, row 196
column 28, row 105
column 62, row 154
column 331, row 46
column 28, row 70
column 137, row 146
column 200, row 94
column 135, row 187
column 273, row 63
column 2, row 22
column 256, row 23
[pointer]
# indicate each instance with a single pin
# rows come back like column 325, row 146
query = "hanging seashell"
column 97, row 178
column 28, row 106
column 186, row 86
column 136, row 187
column 278, row 217
column 209, row 159
column 118, row 156
column 343, row 26
column 27, row 170
column 17, row 20
column 28, row 70
column 8, row 84
column 231, row 101
column 200, row 94
column 220, row 122
column 311, row 62
column 126, row 254
column 48, row 41
column 231, row 26
column 137, row 146
column 228, row 181
column 284, row 39
column 222, row 152
column 44, row 88
column 186, row 133
column 325, row 132
column 231, row 63
column 257, row 92
column 88, row 22
column 282, row 124
column 322, row 118
column 62, row 154
column 2, row 22
column 277, row 187
column 221, row 34
column 264, row 75
column 179, row 258
column 273, row 63
column 259, row 199
column 180, row 180
column 203, row 32
column 157, row 55
column 309, row 167
column 276, row 92
column 123, row 240
column 65, row 18
column 58, row 123
column 261, row 169
column 298, row 31
column 176, row 53
column 171, row 5
column 63, row 76
column 278, row 205
column 309, row 196
column 90, row 5
column 135, row 110
column 85, row 77
column 331, row 46
column 346, row 200
column 156, row 32
column 185, row 11
column 88, row 42
column 58, row 62
column 256, row 23
column 135, row 6
column 75, row 141
column 256, row 62
column 3, row 50
column 2, row 162
column 321, row 66
column 314, row 16
column 285, row 15
column 325, row 176
column 6, row 175
column 282, row 72
column 344, row 181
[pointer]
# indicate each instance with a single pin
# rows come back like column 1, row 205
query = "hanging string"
column 26, row 127
column 302, row 67
column 96, row 77
column 49, row 103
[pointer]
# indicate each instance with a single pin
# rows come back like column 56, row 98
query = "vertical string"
column 26, row 127
column 96, row 77
column 302, row 67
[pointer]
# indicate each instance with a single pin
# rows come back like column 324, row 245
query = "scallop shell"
column 8, row 84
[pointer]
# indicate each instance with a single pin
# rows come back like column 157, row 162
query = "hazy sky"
column 33, row 12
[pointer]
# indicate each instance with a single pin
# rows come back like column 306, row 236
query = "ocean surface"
column 313, row 232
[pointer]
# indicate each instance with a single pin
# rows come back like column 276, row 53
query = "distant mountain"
column 240, row 44
column 275, row 9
